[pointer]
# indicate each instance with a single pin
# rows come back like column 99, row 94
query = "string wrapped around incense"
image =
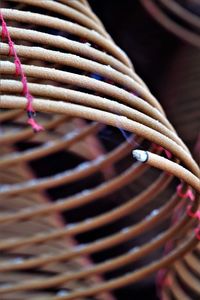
column 182, row 281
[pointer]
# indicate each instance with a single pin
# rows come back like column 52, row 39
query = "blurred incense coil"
column 181, row 93
column 78, row 77
column 34, row 227
column 180, row 17
column 182, row 281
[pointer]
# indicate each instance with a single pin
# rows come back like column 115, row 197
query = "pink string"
column 19, row 71
column 167, row 152
column 197, row 232
column 36, row 127
column 194, row 215
column 11, row 48
column 162, row 279
column 188, row 194
column 25, row 85
column 18, row 67
column 4, row 33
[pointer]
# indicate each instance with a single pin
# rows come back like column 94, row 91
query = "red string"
column 4, row 33
column 36, row 127
column 167, row 152
column 194, row 215
column 18, row 67
column 188, row 194
column 25, row 85
column 197, row 232
column 19, row 71
column 11, row 48
column 162, row 280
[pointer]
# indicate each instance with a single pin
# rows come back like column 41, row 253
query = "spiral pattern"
column 179, row 17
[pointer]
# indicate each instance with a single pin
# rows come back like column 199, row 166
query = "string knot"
column 36, row 127
column 18, row 67
column 167, row 152
column 11, row 48
column 188, row 194
column 195, row 215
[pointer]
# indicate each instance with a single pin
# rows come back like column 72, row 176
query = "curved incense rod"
column 177, row 292
column 186, row 270
column 130, row 278
column 192, row 261
column 85, row 9
column 81, row 49
column 55, row 23
column 86, row 82
column 9, row 115
column 68, row 12
column 188, row 283
column 125, row 209
column 89, row 100
column 28, row 132
column 63, row 143
column 78, row 199
column 90, row 248
column 187, row 35
column 187, row 277
column 87, row 65
column 182, row 12
column 109, row 119
column 162, row 163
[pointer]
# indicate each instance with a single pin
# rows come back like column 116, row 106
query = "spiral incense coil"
column 183, row 280
column 35, row 227
column 183, row 96
column 82, row 85
column 181, row 93
column 41, row 224
column 182, row 19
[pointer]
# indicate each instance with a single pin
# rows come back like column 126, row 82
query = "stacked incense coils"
column 83, row 83
column 180, row 94
column 179, row 17
column 182, row 282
